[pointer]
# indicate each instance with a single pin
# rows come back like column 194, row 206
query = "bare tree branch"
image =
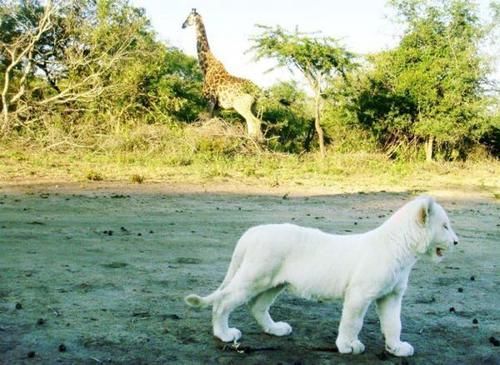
column 21, row 50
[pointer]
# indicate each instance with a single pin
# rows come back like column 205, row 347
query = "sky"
column 362, row 26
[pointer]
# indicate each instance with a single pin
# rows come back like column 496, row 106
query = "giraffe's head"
column 191, row 19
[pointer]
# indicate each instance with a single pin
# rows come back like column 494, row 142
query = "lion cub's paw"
column 355, row 347
column 280, row 329
column 231, row 335
column 400, row 349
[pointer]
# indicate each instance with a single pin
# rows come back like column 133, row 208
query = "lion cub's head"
column 438, row 236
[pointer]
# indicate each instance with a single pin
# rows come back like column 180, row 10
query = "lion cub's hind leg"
column 240, row 290
column 259, row 306
column 229, row 299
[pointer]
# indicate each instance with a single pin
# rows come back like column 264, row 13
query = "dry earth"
column 96, row 275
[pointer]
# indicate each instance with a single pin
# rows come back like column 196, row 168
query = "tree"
column 69, row 62
column 18, row 45
column 62, row 55
column 318, row 59
column 174, row 86
column 288, row 116
column 429, row 89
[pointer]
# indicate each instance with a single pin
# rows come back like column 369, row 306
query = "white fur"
column 360, row 268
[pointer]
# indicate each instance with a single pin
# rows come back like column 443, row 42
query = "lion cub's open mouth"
column 439, row 251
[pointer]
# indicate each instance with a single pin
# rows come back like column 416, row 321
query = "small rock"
column 62, row 348
column 31, row 354
column 19, row 305
column 494, row 341
column 143, row 314
column 173, row 316
column 40, row 321
column 475, row 321
column 452, row 310
column 472, row 278
column 460, row 290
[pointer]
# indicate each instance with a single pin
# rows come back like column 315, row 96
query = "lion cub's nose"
column 455, row 243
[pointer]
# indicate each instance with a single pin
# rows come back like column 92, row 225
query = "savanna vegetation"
column 88, row 91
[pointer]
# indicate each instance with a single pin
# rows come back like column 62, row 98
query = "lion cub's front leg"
column 353, row 313
column 389, row 312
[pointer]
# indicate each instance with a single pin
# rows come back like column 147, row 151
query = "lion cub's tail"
column 196, row 301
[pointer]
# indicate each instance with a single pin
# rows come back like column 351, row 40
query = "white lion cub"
column 360, row 268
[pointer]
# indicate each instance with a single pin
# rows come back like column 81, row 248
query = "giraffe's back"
column 220, row 85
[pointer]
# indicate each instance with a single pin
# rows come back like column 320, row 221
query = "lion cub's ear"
column 425, row 210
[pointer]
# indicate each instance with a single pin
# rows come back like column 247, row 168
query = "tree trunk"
column 309, row 137
column 429, row 144
column 5, row 103
column 317, row 123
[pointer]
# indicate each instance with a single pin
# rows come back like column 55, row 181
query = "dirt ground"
column 96, row 275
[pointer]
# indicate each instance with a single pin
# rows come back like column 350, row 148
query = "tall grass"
column 140, row 153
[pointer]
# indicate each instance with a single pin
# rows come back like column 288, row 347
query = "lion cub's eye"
column 445, row 226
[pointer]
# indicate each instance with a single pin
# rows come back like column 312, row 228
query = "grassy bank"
column 338, row 172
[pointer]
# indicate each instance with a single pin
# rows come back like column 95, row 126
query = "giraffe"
column 219, row 86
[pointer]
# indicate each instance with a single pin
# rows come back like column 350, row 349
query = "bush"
column 288, row 120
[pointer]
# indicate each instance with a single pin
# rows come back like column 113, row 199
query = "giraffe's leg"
column 211, row 107
column 243, row 105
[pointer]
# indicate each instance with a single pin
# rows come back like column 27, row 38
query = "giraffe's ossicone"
column 219, row 86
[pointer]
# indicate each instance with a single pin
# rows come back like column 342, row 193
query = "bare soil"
column 96, row 274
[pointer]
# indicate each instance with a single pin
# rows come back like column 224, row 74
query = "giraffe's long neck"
column 202, row 45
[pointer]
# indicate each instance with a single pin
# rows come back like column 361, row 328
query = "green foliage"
column 314, row 57
column 98, row 60
column 344, row 133
column 318, row 59
column 429, row 88
column 173, row 86
column 288, row 117
column 97, row 78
